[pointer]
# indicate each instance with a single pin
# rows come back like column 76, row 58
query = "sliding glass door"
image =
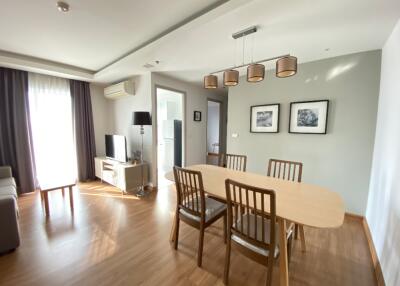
column 52, row 128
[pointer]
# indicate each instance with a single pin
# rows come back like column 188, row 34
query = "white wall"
column 115, row 117
column 101, row 120
column 340, row 160
column 195, row 132
column 383, row 211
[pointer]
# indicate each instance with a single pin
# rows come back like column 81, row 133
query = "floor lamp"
column 141, row 118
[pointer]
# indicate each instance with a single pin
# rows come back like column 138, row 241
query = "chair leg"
column 200, row 251
column 176, row 230
column 289, row 247
column 225, row 219
column 227, row 261
column 296, row 231
column 302, row 238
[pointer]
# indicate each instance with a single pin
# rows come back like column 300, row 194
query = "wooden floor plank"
column 121, row 240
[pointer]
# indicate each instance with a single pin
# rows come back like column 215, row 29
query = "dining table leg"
column 283, row 258
column 172, row 234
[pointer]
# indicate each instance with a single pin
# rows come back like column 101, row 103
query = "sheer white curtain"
column 53, row 139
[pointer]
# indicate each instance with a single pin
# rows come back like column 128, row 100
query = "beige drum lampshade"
column 231, row 77
column 210, row 81
column 286, row 66
column 255, row 72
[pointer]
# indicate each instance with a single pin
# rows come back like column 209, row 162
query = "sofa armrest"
column 5, row 172
column 9, row 238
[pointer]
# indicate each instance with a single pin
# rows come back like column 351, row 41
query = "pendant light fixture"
column 286, row 66
column 210, row 81
column 255, row 72
column 231, row 77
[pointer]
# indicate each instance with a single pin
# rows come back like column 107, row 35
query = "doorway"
column 170, row 132
column 213, row 131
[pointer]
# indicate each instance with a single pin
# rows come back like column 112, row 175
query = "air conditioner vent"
column 122, row 89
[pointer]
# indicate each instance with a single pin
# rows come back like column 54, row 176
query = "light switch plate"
column 235, row 135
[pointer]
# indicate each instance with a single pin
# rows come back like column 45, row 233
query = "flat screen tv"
column 116, row 147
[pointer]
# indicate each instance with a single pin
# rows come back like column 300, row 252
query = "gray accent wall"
column 339, row 160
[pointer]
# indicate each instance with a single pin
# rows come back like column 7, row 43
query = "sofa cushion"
column 8, row 191
column 7, row 182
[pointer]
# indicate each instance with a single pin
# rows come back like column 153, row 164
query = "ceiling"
column 106, row 41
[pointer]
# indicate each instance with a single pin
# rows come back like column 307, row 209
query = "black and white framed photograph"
column 309, row 117
column 264, row 118
column 197, row 116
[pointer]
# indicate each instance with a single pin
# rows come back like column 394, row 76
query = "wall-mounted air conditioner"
column 122, row 89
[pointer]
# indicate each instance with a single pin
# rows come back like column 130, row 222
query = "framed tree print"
column 308, row 117
column 264, row 118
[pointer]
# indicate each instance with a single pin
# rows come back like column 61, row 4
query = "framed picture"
column 197, row 116
column 309, row 117
column 264, row 118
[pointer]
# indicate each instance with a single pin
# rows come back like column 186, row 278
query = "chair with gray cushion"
column 252, row 228
column 9, row 238
column 194, row 208
column 290, row 171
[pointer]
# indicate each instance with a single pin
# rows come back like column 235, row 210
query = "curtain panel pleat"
column 16, row 148
column 83, row 129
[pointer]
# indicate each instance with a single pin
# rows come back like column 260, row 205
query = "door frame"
column 220, row 121
column 184, row 125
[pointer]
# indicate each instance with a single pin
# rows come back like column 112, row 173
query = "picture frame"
column 264, row 118
column 309, row 117
column 197, row 115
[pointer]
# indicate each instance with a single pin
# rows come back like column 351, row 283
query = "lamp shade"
column 210, row 81
column 286, row 66
column 141, row 118
column 255, row 72
column 231, row 77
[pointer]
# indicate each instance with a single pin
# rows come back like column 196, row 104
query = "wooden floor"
column 121, row 240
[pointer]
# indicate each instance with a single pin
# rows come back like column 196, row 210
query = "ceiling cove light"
column 286, row 65
column 210, row 81
column 62, row 6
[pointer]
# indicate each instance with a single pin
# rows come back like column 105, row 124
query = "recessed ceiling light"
column 327, row 49
column 62, row 6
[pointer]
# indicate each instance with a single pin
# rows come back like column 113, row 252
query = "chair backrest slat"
column 250, row 201
column 190, row 191
column 233, row 161
column 293, row 173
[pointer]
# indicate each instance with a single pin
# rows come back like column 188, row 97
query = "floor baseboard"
column 375, row 260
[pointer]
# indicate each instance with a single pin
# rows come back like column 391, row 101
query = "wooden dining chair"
column 291, row 171
column 233, row 161
column 194, row 208
column 252, row 229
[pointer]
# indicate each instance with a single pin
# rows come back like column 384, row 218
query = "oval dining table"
column 301, row 203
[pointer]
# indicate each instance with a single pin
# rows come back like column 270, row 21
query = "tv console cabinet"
column 125, row 176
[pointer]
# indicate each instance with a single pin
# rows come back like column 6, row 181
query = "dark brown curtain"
column 84, row 130
column 16, row 148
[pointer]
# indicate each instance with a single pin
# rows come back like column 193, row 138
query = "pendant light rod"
column 256, row 62
column 244, row 32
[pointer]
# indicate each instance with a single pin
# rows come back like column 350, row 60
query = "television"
column 116, row 148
